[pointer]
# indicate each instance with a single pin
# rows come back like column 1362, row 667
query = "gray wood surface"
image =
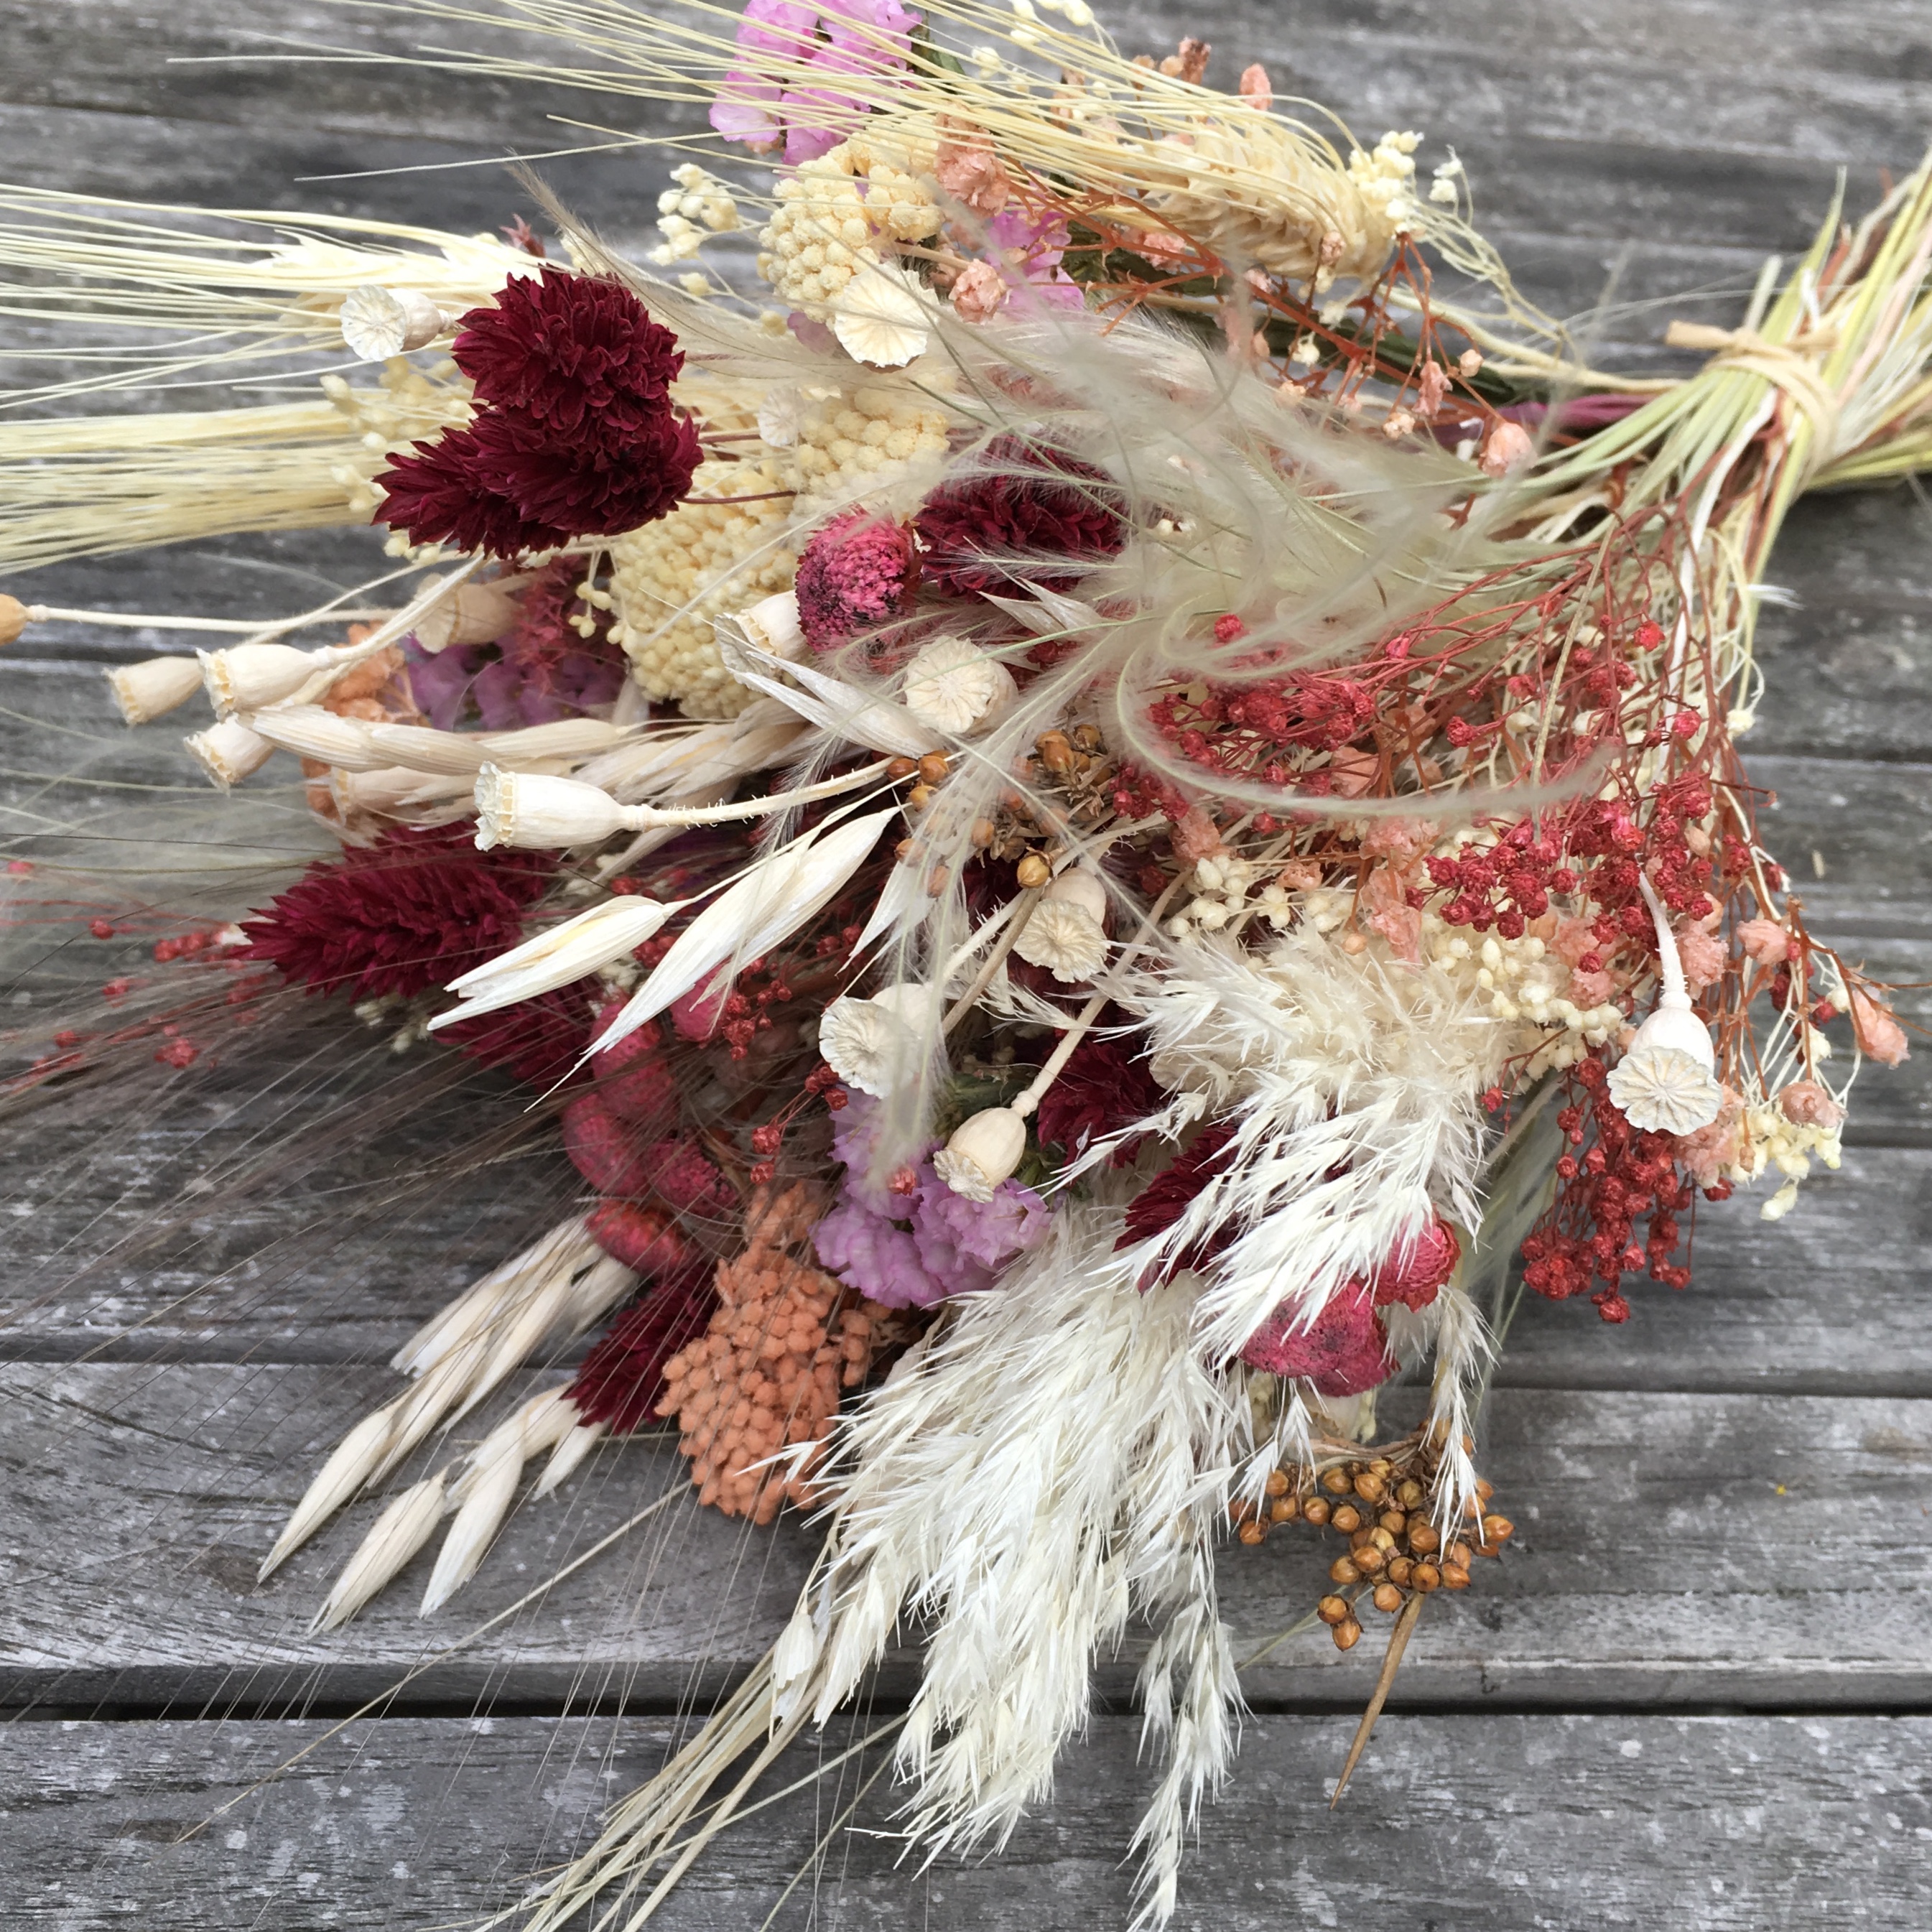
column 1719, row 1503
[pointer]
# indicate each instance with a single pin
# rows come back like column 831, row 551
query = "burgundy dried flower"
column 858, row 572
column 622, row 1376
column 588, row 484
column 408, row 913
column 570, row 352
column 540, row 1040
column 988, row 532
column 1164, row 1199
column 438, row 496
column 1105, row 1086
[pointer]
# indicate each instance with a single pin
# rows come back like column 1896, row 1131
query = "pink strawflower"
column 1880, row 1036
column 858, row 572
column 1343, row 1351
column 1806, row 1104
column 1702, row 956
column 979, row 292
column 1764, row 940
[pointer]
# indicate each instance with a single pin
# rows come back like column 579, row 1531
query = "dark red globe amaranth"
column 408, row 913
column 574, row 434
column 989, row 532
column 570, row 352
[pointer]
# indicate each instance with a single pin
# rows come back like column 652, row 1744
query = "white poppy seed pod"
column 534, row 813
column 1666, row 1083
column 984, row 1150
column 145, row 691
column 880, row 318
column 246, row 677
column 472, row 614
column 228, row 751
column 773, row 625
column 379, row 322
column 953, row 685
column 873, row 1044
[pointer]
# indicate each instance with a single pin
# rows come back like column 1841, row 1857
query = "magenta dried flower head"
column 858, row 572
column 571, row 351
column 1343, row 1351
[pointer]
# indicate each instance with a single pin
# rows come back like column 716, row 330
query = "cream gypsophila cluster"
column 699, row 205
column 837, row 215
column 669, row 579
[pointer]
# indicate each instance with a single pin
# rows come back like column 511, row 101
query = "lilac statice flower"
column 829, row 38
column 881, row 1258
column 915, row 1249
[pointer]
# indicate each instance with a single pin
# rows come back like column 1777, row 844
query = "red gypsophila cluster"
column 1624, row 1175
column 574, row 433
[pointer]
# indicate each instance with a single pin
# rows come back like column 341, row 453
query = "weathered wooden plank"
column 1720, row 1824
column 1672, row 1550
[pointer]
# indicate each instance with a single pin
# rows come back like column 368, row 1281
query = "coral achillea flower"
column 1343, row 1351
column 768, row 1371
column 858, row 572
column 622, row 1377
column 570, row 352
column 410, row 912
column 987, row 533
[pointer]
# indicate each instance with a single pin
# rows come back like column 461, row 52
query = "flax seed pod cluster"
column 767, row 1373
column 1395, row 1550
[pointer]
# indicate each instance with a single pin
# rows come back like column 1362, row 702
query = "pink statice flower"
column 829, row 39
column 876, row 1256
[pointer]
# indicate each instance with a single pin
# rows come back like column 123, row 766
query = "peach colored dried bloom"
column 1399, row 837
column 1707, row 1153
column 766, row 1372
column 980, row 292
column 1402, row 927
column 1197, row 836
column 1434, row 386
column 1806, row 1104
column 1702, row 956
column 1188, row 62
column 1764, row 940
column 1506, row 448
column 1255, row 88
column 1879, row 1035
column 972, row 174
column 1591, row 989
column 1574, row 938
column 1353, row 772
column 1299, row 875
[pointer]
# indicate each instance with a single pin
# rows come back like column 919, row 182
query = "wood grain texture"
column 1672, row 1550
column 1511, row 1823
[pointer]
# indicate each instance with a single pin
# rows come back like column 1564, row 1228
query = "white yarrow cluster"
column 838, row 216
column 696, row 207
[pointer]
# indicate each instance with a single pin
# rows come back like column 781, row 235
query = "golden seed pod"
column 919, row 797
column 1252, row 1533
column 1283, row 1509
column 1497, row 1529
column 1034, row 872
column 1485, row 1490
column 1277, row 1482
column 1459, row 1554
column 983, row 833
column 900, row 768
column 932, row 768
column 1343, row 1571
column 1409, row 1493
column 1337, row 1482
column 1370, row 1487
column 1388, row 1599
column 1369, row 1560
column 1425, row 1577
column 1056, row 751
column 1399, row 1570
column 1315, row 1510
column 1393, row 1521
column 1424, row 1538
column 1346, row 1518
column 1332, row 1609
column 1347, row 1634
column 1454, row 1577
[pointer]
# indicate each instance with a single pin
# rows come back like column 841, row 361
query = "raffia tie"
column 1785, row 364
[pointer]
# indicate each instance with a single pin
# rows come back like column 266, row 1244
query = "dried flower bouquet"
column 1130, row 703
